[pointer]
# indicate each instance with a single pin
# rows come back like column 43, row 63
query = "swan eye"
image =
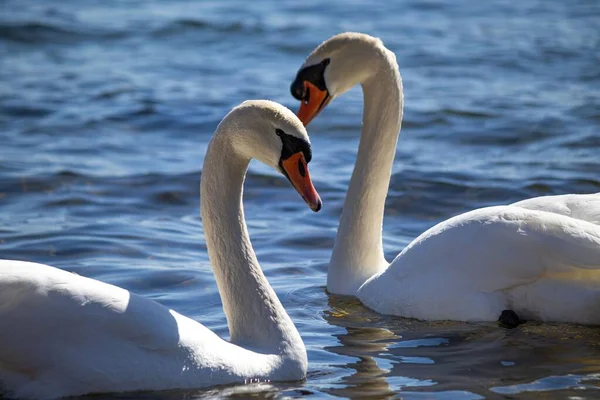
column 279, row 132
column 326, row 62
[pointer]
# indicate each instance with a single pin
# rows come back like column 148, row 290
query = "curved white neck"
column 358, row 250
column 255, row 316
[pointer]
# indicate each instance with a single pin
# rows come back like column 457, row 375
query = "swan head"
column 334, row 67
column 272, row 134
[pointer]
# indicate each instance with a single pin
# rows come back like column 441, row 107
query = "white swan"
column 539, row 257
column 62, row 334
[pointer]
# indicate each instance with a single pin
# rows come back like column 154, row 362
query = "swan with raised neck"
column 63, row 334
column 348, row 59
column 539, row 257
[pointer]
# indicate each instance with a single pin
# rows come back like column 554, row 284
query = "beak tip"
column 316, row 206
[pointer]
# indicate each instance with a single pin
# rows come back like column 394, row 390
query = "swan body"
column 62, row 334
column 539, row 257
column 541, row 265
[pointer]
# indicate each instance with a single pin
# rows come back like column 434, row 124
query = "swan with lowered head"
column 539, row 258
column 62, row 334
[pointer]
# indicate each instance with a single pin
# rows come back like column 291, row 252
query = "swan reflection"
column 447, row 359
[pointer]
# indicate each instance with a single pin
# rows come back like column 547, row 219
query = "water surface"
column 106, row 109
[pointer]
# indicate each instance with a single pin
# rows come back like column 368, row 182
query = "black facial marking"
column 301, row 168
column 292, row 145
column 314, row 74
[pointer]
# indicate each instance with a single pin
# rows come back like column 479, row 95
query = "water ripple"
column 106, row 110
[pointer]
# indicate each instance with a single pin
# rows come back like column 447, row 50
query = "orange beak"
column 314, row 101
column 296, row 170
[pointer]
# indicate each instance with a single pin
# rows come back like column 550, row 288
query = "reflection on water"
column 106, row 109
column 439, row 359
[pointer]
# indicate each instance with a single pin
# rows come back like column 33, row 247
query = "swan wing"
column 465, row 268
column 64, row 334
column 585, row 207
column 495, row 248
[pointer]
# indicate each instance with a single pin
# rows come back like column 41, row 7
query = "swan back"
column 585, row 207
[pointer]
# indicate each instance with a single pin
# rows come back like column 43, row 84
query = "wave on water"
column 107, row 108
column 186, row 25
column 37, row 32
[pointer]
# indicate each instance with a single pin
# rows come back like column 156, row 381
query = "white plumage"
column 539, row 257
column 542, row 265
column 63, row 334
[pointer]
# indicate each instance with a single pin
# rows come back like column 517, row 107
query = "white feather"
column 62, row 334
column 539, row 257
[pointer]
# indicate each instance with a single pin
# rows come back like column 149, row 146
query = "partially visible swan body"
column 539, row 257
column 62, row 334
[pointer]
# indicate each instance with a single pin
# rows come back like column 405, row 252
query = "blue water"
column 106, row 109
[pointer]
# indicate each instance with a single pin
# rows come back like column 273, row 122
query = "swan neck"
column 255, row 316
column 358, row 250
